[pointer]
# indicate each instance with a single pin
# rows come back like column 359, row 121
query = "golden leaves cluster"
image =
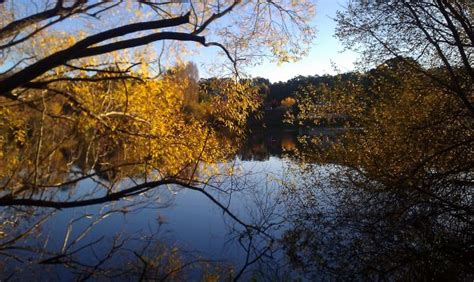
column 399, row 126
column 128, row 127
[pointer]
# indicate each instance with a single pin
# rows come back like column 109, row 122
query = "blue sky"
column 324, row 50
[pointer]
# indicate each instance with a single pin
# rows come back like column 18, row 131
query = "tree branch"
column 81, row 50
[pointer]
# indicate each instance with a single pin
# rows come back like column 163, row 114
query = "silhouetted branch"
column 83, row 49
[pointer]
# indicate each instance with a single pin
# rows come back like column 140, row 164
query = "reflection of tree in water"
column 340, row 230
column 36, row 247
column 260, row 145
column 41, row 235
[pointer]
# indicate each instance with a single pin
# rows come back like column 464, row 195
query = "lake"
column 264, row 216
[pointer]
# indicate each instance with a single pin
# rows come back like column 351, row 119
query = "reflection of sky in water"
column 198, row 224
column 190, row 220
column 175, row 216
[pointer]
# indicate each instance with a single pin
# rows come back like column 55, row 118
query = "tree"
column 257, row 30
column 90, row 78
column 405, row 101
column 436, row 33
column 288, row 102
column 389, row 195
column 85, row 95
column 403, row 169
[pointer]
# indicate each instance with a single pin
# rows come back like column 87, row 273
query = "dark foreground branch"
column 87, row 47
column 11, row 201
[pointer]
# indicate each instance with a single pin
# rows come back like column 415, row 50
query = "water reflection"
column 297, row 224
column 342, row 231
column 263, row 144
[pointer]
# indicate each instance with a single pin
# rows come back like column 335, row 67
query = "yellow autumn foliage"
column 400, row 128
column 288, row 102
column 135, row 126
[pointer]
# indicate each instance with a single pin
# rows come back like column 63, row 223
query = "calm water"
column 309, row 229
column 171, row 219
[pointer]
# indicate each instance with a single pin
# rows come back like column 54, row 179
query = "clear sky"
column 325, row 52
column 325, row 49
